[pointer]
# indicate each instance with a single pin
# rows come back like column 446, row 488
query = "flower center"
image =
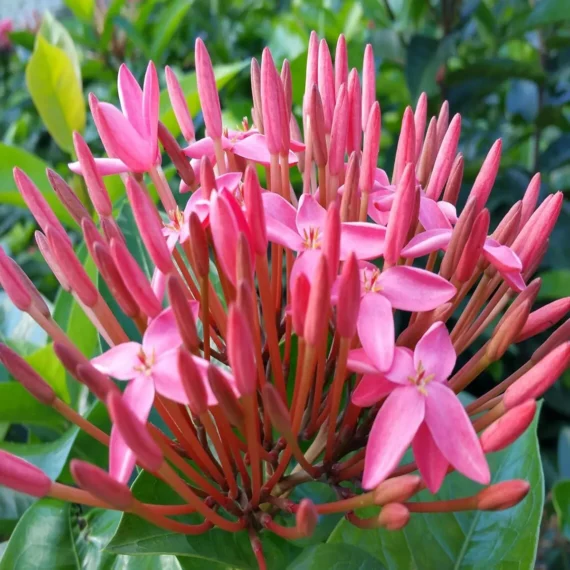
column 370, row 280
column 176, row 220
column 421, row 379
column 146, row 362
column 238, row 195
column 312, row 238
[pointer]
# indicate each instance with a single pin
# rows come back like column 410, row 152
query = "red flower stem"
column 192, row 499
column 109, row 322
column 336, row 395
column 476, row 364
column 277, row 278
column 486, row 406
column 253, row 444
column 205, row 314
column 220, row 156
column 287, row 532
column 488, row 418
column 318, row 388
column 195, row 293
column 363, row 214
column 171, row 510
column 473, row 307
column 352, row 460
column 298, row 370
column 74, row 495
column 221, row 452
column 364, row 523
column 288, row 318
column 227, row 288
column 450, row 506
column 71, row 415
column 257, row 549
column 157, row 519
column 279, row 471
column 354, row 470
column 270, row 325
column 306, row 381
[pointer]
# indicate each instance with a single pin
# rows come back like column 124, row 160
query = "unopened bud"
column 397, row 489
column 192, row 383
column 502, row 495
column 393, row 516
column 225, row 396
column 182, row 313
column 316, row 323
column 349, row 298
column 306, row 518
column 21, row 476
column 67, row 196
column 508, row 428
column 173, row 150
column 544, row 318
column 277, row 410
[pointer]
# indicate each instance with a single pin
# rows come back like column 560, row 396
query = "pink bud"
column 473, row 247
column 502, row 495
column 306, row 518
column 396, row 489
column 368, row 85
column 256, row 93
column 47, row 254
column 207, row 91
column 36, row 203
column 420, row 120
column 393, row 516
column 72, row 269
column 530, row 199
column 245, row 302
column 182, row 313
column 21, row 476
column 173, row 150
column 559, row 336
column 254, row 211
column 93, row 180
column 179, row 105
column 192, row 383
column 318, row 127
column 340, row 64
column 442, row 122
column 354, row 135
column 300, row 302
column 91, row 235
column 444, row 160
column 427, row 155
column 486, row 178
column 287, row 82
column 370, row 149
column 149, row 226
column 135, row 433
column 134, row 279
column 285, row 98
column 401, row 215
column 539, row 378
column 508, row 428
column 339, row 131
column 67, row 196
column 331, row 240
column 27, row 376
column 312, row 75
column 544, row 318
column 225, row 233
column 270, row 86
column 277, row 410
column 225, row 396
column 111, row 230
column 101, row 485
column 97, row 382
column 454, row 181
column 199, row 247
column 106, row 266
column 507, row 328
column 12, row 283
column 326, row 83
column 101, row 125
column 240, row 351
column 406, row 151
column 318, row 305
column 207, row 178
column 349, row 298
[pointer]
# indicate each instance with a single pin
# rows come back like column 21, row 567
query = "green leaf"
column 556, row 155
column 555, row 284
column 468, row 540
column 561, row 502
column 335, row 557
column 83, row 9
column 56, row 34
column 56, row 92
column 170, row 20
column 214, row 549
column 35, row 168
column 223, row 73
column 46, row 363
column 498, row 69
column 548, row 12
column 564, row 452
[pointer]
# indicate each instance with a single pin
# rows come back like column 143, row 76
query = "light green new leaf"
column 56, row 92
column 224, row 74
column 83, row 9
column 35, row 168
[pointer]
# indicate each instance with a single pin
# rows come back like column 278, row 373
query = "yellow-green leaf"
column 56, row 92
column 83, row 9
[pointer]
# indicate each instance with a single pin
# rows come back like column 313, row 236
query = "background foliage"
column 503, row 64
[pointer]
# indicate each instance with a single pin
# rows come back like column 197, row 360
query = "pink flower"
column 420, row 409
column 130, row 137
column 6, row 26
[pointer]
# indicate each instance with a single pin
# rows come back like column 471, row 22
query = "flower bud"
column 453, row 186
column 508, row 428
column 427, row 155
column 179, row 105
column 486, row 178
column 225, row 396
column 270, row 86
column 12, row 283
column 192, row 383
column 349, row 298
column 560, row 335
column 544, row 318
column 97, row 382
column 326, row 83
column 509, row 226
column 318, row 127
column 530, row 198
column 135, row 433
column 442, row 123
column 225, row 234
column 100, row 484
column 368, row 84
column 316, row 322
column 208, row 91
column 199, row 246
column 354, row 134
column 300, row 302
column 539, row 378
column 306, row 518
column 26, row 375
column 473, row 247
column 370, row 149
column 277, row 410
column 173, row 150
column 240, row 351
column 393, row 516
column 331, row 240
column 46, row 252
column 340, row 64
column 182, row 313
column 420, row 120
column 406, row 150
column 339, row 132
column 507, row 328
column 21, row 476
column 503, row 495
column 255, row 213
column 397, row 489
column 67, row 196
column 91, row 235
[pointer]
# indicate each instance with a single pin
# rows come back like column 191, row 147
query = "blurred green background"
column 503, row 64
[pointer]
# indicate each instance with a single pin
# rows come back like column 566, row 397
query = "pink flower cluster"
column 268, row 303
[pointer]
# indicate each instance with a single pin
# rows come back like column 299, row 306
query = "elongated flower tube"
column 269, row 334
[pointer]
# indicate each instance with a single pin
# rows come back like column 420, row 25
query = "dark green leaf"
column 498, row 69
column 335, row 557
column 557, row 154
column 561, row 502
column 555, row 284
column 469, row 540
column 549, row 12
column 564, row 453
column 170, row 20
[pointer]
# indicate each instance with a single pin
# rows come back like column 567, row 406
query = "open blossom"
column 273, row 347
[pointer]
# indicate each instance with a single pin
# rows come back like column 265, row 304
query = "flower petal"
column 449, row 211
column 431, row 217
column 230, row 180
column 253, row 148
column 412, row 289
column 501, row 256
column 131, row 99
column 435, row 352
column 376, row 330
column 201, row 148
column 427, row 242
column 162, row 333
column 364, row 239
column 105, row 166
column 139, row 396
column 202, row 366
column 514, row 279
column 453, row 433
column 429, row 459
column 371, row 389
column 119, row 361
column 306, row 263
column 392, row 432
column 166, row 377
column 402, row 366
column 158, row 284
column 310, row 215
column 359, row 362
column 280, row 221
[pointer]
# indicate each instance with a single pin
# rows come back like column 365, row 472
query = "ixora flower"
column 289, row 334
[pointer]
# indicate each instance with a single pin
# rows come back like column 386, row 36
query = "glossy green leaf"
column 214, row 549
column 56, row 92
column 35, row 168
column 57, row 35
column 46, row 363
column 170, row 20
column 561, row 502
column 83, row 9
column 223, row 73
column 555, row 284
column 472, row 540
column 335, row 557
